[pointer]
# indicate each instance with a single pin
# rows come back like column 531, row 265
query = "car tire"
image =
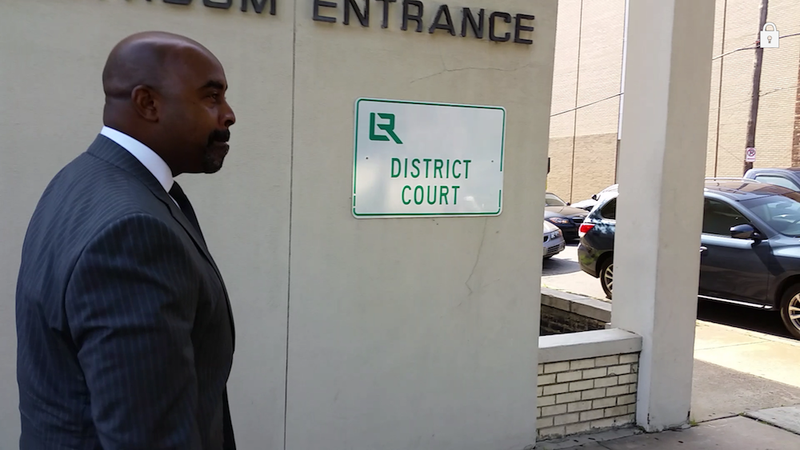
column 606, row 275
column 790, row 310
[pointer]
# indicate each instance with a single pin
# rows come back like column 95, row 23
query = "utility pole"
column 751, row 124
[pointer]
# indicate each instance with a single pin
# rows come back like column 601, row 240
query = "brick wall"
column 556, row 321
column 586, row 395
column 563, row 312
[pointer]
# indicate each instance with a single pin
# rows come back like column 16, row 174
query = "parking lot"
column 563, row 272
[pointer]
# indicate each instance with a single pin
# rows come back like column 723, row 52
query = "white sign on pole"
column 421, row 159
column 750, row 155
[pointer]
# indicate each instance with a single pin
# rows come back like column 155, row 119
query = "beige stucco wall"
column 412, row 333
column 53, row 54
column 595, row 157
column 600, row 30
column 737, row 81
column 408, row 321
column 600, row 66
column 593, row 169
column 585, row 74
column 560, row 178
column 566, row 66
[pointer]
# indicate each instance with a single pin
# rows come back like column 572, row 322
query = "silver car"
column 553, row 240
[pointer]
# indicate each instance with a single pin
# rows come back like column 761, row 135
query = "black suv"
column 750, row 246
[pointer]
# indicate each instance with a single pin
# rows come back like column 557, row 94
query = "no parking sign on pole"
column 750, row 155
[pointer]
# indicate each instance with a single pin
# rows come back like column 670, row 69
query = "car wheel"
column 790, row 310
column 607, row 276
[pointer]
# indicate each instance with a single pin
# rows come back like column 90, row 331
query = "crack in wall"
column 478, row 257
column 446, row 70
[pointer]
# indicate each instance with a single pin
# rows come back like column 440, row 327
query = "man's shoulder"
column 88, row 179
column 89, row 193
column 89, row 202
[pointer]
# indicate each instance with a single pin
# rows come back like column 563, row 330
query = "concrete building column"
column 659, row 211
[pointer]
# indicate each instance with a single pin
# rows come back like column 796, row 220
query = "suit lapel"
column 111, row 152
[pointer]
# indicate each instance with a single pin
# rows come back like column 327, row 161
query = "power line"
column 750, row 48
column 617, row 95
column 584, row 106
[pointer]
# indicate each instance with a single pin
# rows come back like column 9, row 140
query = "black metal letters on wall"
column 414, row 14
column 258, row 5
column 502, row 25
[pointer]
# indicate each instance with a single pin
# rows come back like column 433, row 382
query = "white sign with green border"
column 422, row 159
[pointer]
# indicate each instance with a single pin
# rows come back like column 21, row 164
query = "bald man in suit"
column 124, row 326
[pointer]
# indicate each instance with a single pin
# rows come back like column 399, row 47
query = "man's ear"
column 146, row 102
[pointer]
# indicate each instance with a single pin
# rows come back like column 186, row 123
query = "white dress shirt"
column 145, row 155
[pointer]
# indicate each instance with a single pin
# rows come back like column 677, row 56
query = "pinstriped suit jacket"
column 125, row 334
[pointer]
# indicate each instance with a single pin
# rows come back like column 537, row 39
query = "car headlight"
column 555, row 234
column 560, row 220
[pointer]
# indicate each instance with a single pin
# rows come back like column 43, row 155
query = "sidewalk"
column 737, row 371
column 734, row 433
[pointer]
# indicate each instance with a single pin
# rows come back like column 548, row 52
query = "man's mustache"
column 219, row 136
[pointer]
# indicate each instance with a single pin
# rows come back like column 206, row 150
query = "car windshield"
column 781, row 212
column 553, row 200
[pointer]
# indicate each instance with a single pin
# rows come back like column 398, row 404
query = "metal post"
column 719, row 92
column 751, row 124
column 622, row 88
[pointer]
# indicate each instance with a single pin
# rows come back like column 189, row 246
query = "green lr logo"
column 387, row 127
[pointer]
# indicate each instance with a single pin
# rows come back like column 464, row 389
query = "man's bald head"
column 144, row 59
column 163, row 89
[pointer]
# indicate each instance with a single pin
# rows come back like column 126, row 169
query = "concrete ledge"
column 577, row 304
column 587, row 344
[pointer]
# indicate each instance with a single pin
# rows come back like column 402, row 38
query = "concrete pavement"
column 787, row 418
column 737, row 371
column 562, row 272
column 735, row 433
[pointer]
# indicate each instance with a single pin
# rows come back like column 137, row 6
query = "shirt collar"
column 144, row 154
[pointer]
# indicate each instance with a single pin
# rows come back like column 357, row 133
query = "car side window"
column 779, row 180
column 719, row 217
column 553, row 200
column 609, row 210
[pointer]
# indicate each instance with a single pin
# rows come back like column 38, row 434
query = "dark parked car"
column 559, row 213
column 750, row 251
column 789, row 178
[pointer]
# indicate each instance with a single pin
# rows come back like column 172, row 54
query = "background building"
column 587, row 84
